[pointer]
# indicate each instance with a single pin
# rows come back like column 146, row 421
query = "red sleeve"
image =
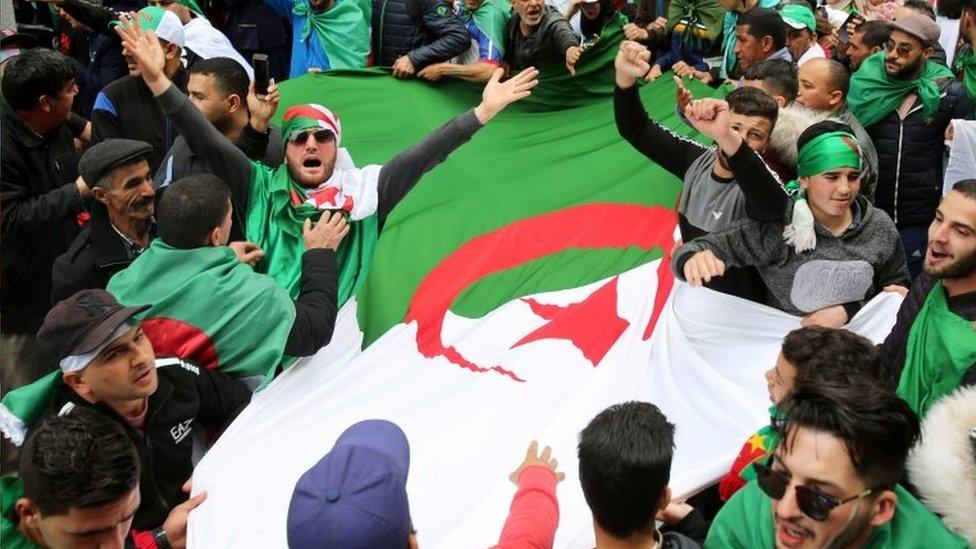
column 534, row 514
column 142, row 539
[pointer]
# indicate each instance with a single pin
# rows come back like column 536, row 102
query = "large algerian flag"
column 517, row 291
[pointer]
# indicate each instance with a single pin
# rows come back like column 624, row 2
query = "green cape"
column 874, row 94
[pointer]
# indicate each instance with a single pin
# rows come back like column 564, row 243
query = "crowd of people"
column 141, row 173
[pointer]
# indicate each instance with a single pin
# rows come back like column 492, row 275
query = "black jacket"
column 95, row 255
column 39, row 204
column 546, row 46
column 126, row 108
column 427, row 31
column 910, row 153
column 254, row 27
column 188, row 399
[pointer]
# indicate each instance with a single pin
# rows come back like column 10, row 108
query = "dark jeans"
column 915, row 239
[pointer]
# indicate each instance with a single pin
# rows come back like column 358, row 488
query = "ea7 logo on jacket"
column 181, row 430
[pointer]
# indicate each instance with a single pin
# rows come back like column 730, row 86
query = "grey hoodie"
column 846, row 269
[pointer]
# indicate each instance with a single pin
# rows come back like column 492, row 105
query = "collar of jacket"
column 107, row 246
column 19, row 127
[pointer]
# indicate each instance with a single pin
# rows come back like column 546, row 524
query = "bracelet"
column 159, row 536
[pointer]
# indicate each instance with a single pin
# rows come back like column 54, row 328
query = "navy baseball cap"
column 355, row 496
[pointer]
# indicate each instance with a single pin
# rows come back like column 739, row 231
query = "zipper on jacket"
column 901, row 134
column 379, row 43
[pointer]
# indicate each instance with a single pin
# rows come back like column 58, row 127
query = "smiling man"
column 833, row 479
column 122, row 218
column 108, row 364
column 905, row 102
column 933, row 343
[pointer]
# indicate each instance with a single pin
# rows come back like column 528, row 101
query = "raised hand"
column 327, row 233
column 498, row 95
column 532, row 457
column 633, row 32
column 143, row 47
column 682, row 95
column 632, row 62
column 711, row 117
column 262, row 109
column 702, row 267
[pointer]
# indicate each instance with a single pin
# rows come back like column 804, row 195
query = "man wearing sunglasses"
column 833, row 480
column 905, row 102
column 317, row 176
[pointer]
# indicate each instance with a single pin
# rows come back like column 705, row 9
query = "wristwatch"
column 159, row 536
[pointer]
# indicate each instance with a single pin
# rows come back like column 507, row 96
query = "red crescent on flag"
column 590, row 226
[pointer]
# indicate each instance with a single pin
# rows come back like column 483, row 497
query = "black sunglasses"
column 301, row 136
column 812, row 503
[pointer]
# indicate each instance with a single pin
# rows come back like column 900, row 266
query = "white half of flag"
column 703, row 366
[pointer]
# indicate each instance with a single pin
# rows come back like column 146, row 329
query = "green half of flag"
column 554, row 150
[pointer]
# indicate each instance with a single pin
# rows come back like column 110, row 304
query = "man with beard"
column 317, row 176
column 537, row 36
column 933, row 343
column 833, row 479
column 122, row 223
column 868, row 39
column 905, row 101
column 822, row 86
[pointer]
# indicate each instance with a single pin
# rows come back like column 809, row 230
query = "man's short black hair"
column 920, row 6
column 819, row 128
column 34, row 73
column 838, row 77
column 190, row 209
column 753, row 102
column 876, row 33
column 778, row 75
column 877, row 427
column 966, row 187
column 625, row 465
column 79, row 460
column 828, row 355
column 229, row 77
column 765, row 22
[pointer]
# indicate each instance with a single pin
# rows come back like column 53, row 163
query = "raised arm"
column 400, row 174
column 672, row 152
column 224, row 158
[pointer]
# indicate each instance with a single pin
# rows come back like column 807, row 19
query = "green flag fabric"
column 874, row 94
column 746, row 520
column 541, row 155
column 491, row 17
column 208, row 307
column 965, row 64
column 941, row 346
column 339, row 29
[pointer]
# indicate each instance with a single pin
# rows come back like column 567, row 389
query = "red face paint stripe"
column 606, row 226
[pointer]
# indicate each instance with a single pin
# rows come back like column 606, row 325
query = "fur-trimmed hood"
column 943, row 465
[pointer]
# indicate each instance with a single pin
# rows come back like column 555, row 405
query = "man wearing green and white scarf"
column 905, row 102
column 933, row 343
column 317, row 176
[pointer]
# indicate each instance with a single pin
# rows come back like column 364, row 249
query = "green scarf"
column 209, row 307
column 941, row 346
column 874, row 94
column 275, row 222
column 828, row 151
column 342, row 30
column 708, row 13
column 966, row 64
column 492, row 18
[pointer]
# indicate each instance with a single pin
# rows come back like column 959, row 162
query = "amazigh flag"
column 756, row 449
column 515, row 292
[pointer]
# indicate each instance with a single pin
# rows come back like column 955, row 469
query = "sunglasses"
column 903, row 50
column 812, row 503
column 301, row 136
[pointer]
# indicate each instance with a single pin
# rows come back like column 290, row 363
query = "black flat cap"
column 81, row 323
column 111, row 153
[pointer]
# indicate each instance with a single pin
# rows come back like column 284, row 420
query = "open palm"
column 498, row 94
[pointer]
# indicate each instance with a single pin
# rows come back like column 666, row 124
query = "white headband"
column 76, row 363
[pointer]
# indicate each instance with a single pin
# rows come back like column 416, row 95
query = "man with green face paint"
column 839, row 251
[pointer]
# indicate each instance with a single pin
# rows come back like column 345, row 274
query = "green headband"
column 828, row 151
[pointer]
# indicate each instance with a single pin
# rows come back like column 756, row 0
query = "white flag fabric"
column 703, row 366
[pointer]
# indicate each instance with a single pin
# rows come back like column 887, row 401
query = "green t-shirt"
column 746, row 520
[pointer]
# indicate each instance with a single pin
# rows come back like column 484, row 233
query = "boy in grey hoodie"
column 856, row 249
